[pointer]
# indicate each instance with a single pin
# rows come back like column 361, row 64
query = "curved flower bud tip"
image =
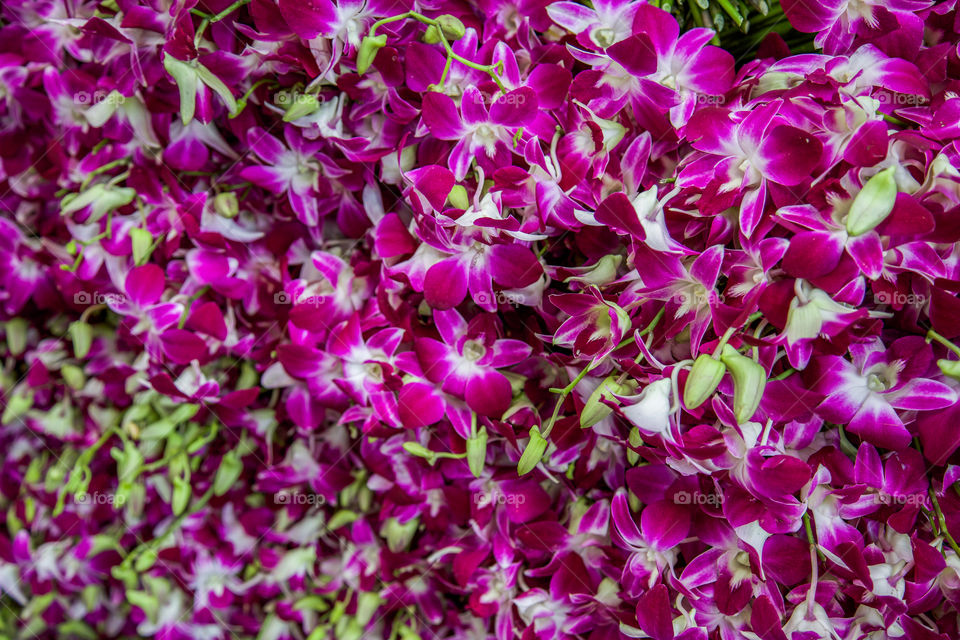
column 749, row 381
column 705, row 376
column 874, row 203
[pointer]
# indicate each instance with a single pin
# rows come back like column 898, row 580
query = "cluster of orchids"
column 506, row 320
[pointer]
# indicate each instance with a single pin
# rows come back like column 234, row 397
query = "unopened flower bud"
column 141, row 240
column 535, row 449
column 420, row 451
column 228, row 473
column 477, row 452
column 636, row 440
column 399, row 535
column 458, row 197
column 367, row 604
column 303, row 104
column 749, row 381
column 452, row 27
column 432, row 35
column 16, row 331
column 226, row 204
column 705, row 375
column 603, row 271
column 950, row 368
column 182, row 492
column 17, row 405
column 73, row 376
column 595, row 409
column 149, row 604
column 873, row 204
column 369, row 47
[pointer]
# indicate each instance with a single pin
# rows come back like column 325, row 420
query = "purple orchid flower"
column 465, row 363
column 296, row 170
column 746, row 152
column 482, row 134
column 864, row 394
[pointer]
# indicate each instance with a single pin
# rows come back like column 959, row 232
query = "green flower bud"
column 477, row 452
column 458, row 197
column 367, row 604
column 369, row 47
column 142, row 242
column 604, row 271
column 226, row 204
column 148, row 603
column 595, row 409
column 182, row 492
column 145, row 560
column 17, row 405
column 342, row 518
column 705, row 375
column 186, row 78
column 81, row 334
column 635, row 440
column 103, row 199
column 873, row 204
column 399, row 535
column 16, row 330
column 125, row 574
column 431, row 35
column 228, row 473
column 301, row 104
column 451, row 26
column 749, row 381
column 73, row 376
column 532, row 453
column 420, row 451
column 950, row 368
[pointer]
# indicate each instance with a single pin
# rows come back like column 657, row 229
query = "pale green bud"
column 705, row 375
column 873, row 204
column 477, row 452
column 369, row 47
column 451, row 26
column 534, row 450
column 749, row 381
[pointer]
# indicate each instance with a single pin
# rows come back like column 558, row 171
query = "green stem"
column 811, row 538
column 156, row 542
column 731, row 11
column 933, row 335
column 446, row 71
column 102, row 169
column 242, row 102
column 208, row 20
column 942, row 521
column 186, row 307
column 845, row 445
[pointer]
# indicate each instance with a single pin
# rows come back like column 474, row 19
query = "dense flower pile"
column 478, row 320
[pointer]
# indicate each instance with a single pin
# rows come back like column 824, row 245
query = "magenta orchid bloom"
column 493, row 320
column 742, row 154
column 295, row 171
column 465, row 363
column 482, row 134
column 838, row 22
column 865, row 394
